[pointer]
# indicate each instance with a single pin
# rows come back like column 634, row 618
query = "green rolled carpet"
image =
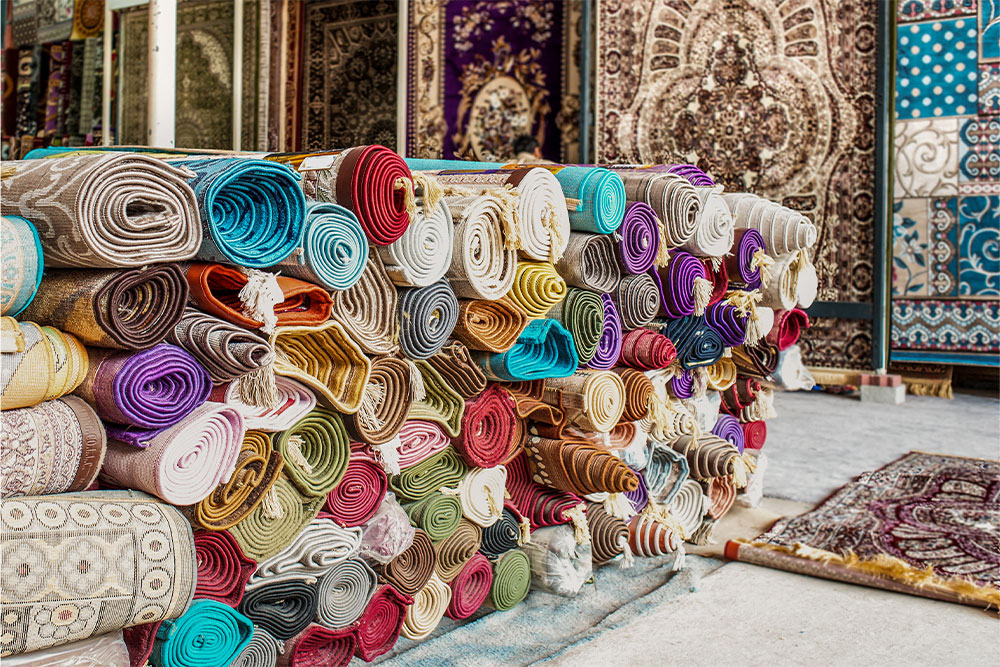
column 437, row 515
column 582, row 313
column 277, row 521
column 316, row 452
column 442, row 404
column 417, row 482
column 511, row 580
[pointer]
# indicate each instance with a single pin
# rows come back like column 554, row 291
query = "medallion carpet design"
column 925, row 524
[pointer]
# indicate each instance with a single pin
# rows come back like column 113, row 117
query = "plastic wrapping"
column 558, row 564
column 753, row 494
column 102, row 651
column 791, row 374
column 706, row 409
column 636, row 455
column 388, row 533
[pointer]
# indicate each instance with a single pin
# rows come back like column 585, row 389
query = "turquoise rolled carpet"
column 252, row 211
column 21, row 264
column 209, row 634
column 545, row 349
column 333, row 251
column 601, row 196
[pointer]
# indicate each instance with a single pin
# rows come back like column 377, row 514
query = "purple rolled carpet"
column 640, row 497
column 728, row 322
column 693, row 174
column 682, row 385
column 729, row 428
column 739, row 264
column 677, row 283
column 143, row 392
column 640, row 238
column 609, row 347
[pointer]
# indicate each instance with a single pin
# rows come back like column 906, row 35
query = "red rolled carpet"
column 223, row 569
column 378, row 628
column 317, row 646
column 720, row 281
column 139, row 641
column 366, row 184
column 543, row 505
column 754, row 434
column 488, row 428
column 358, row 495
column 470, row 588
column 740, row 395
column 646, row 350
column 788, row 326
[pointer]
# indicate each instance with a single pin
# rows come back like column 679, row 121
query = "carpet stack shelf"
column 308, row 404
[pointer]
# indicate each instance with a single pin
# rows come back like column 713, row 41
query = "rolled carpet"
column 609, row 535
column 729, row 428
column 693, row 174
column 422, row 255
column 503, row 535
column 713, row 236
column 582, row 314
column 684, row 285
column 333, row 250
column 367, row 310
column 491, row 326
column 647, row 350
column 689, row 507
column 782, row 229
column 578, row 469
column 124, row 310
column 38, row 363
column 420, row 440
column 421, row 480
column 316, row 451
column 721, row 375
column 754, row 434
column 648, row 537
column 223, row 570
column 209, row 634
column 252, row 211
column 529, row 405
column 488, row 428
column 542, row 505
column 454, row 551
column 638, row 390
column 638, row 300
column 256, row 300
column 262, row 651
column 440, row 404
column 599, row 195
column 640, row 239
column 741, row 395
column 410, row 571
column 378, row 628
column 97, row 534
column 759, row 361
column 560, row 563
column 782, row 292
column 746, row 259
column 483, row 259
column 481, row 495
column 511, row 580
column 149, row 389
column 537, row 288
column 459, row 370
column 682, row 385
column 728, row 323
column 372, row 181
column 438, row 515
column 21, row 266
column 139, row 641
column 344, row 592
column 320, row 545
column 589, row 262
column 359, row 494
column 276, row 522
column 283, row 607
column 593, row 400
column 609, row 347
column 294, row 401
column 721, row 494
column 639, row 496
column 673, row 198
column 105, row 210
column 470, row 587
column 807, row 282
column 385, row 404
column 325, row 359
column 539, row 208
column 664, row 473
column 788, row 326
column 543, row 350
column 718, row 277
column 54, row 447
column 184, row 463
column 256, row 470
column 428, row 608
column 427, row 316
column 697, row 344
column 317, row 646
column 228, row 352
column 708, row 456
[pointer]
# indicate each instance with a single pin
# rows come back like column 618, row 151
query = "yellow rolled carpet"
column 537, row 288
column 38, row 363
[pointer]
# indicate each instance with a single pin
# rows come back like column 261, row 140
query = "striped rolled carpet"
column 38, row 363
column 22, row 264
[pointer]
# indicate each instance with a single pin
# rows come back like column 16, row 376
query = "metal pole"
column 237, row 73
column 402, row 79
column 106, row 78
column 585, row 93
column 162, row 77
column 882, row 252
